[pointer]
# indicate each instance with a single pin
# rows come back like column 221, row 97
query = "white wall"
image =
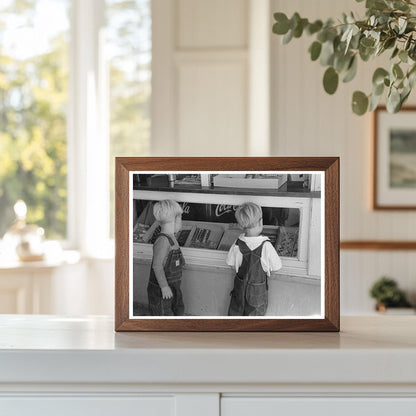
column 308, row 122
column 200, row 77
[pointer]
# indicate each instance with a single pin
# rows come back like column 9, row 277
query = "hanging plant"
column 388, row 27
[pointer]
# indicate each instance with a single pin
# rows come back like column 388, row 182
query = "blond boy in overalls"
column 164, row 288
column 254, row 258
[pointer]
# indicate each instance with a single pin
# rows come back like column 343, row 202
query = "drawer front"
column 272, row 406
column 87, row 406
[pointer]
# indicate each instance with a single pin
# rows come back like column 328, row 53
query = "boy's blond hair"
column 248, row 215
column 166, row 210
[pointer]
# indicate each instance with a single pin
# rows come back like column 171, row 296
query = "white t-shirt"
column 270, row 260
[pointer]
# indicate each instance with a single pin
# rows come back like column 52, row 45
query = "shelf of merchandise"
column 297, row 266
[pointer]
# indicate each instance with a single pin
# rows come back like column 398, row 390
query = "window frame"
column 87, row 133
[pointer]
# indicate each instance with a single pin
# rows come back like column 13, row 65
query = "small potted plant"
column 387, row 294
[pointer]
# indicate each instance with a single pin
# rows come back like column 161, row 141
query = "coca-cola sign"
column 209, row 212
column 222, row 209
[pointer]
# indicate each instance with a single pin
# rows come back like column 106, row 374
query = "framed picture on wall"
column 394, row 178
column 227, row 244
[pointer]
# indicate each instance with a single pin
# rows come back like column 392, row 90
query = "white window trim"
column 88, row 140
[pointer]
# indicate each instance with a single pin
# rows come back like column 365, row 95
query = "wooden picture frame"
column 326, row 203
column 394, row 158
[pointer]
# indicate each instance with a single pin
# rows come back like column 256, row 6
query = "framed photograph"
column 394, row 179
column 227, row 244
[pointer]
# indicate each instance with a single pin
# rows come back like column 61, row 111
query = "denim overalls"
column 249, row 296
column 173, row 271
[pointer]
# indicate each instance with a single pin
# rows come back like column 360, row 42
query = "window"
column 75, row 87
column 33, row 112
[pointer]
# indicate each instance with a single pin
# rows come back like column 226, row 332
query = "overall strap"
column 259, row 249
column 171, row 242
column 245, row 249
column 242, row 246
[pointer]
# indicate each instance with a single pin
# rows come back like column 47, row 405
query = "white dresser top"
column 49, row 349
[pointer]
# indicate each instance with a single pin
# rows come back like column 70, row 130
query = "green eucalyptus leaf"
column 412, row 70
column 374, row 102
column 351, row 71
column 400, row 5
column 408, row 42
column 327, row 54
column 322, row 36
column 355, row 41
column 288, row 37
column 338, row 45
column 294, row 21
column 330, row 80
column 379, row 75
column 411, row 78
column 393, row 101
column 300, row 25
column 341, row 62
column 281, row 26
column 382, row 19
column 378, row 89
column 403, row 56
column 397, row 71
column 359, row 103
column 404, row 96
column 315, row 50
column 332, row 33
column 367, row 42
column 314, row 27
column 366, row 53
column 389, row 43
column 395, row 53
column 376, row 4
column 400, row 85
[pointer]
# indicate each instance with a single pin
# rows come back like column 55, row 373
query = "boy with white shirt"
column 254, row 258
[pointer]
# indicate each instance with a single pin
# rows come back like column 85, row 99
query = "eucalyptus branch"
column 388, row 25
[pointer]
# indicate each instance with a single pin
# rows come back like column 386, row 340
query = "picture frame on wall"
column 394, row 151
column 227, row 244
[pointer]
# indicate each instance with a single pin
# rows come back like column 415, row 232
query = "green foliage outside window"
column 34, row 103
column 33, row 99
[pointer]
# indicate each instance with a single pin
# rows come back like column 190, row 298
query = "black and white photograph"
column 226, row 244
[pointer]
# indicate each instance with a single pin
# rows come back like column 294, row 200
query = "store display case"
column 209, row 227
